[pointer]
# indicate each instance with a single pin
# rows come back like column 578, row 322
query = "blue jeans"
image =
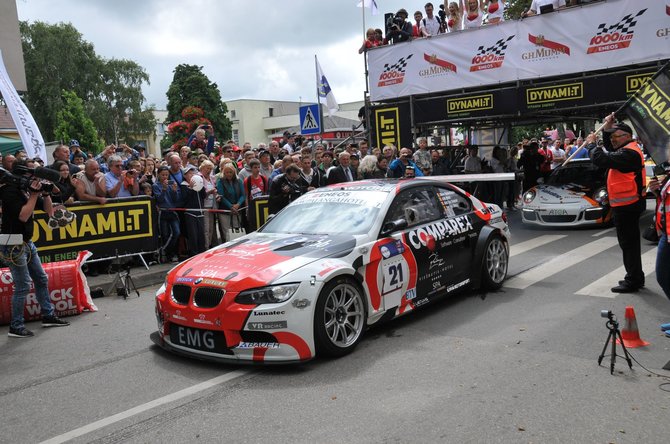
column 663, row 264
column 24, row 264
column 169, row 229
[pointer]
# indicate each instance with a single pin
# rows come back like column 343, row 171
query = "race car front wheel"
column 340, row 318
column 494, row 265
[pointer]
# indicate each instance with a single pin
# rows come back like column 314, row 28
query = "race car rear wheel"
column 340, row 317
column 494, row 265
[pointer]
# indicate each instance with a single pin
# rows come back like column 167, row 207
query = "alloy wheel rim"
column 343, row 315
column 496, row 261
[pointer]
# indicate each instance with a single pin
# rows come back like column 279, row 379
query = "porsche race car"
column 575, row 194
column 330, row 264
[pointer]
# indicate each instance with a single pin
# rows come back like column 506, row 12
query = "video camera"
column 394, row 22
column 442, row 14
column 22, row 177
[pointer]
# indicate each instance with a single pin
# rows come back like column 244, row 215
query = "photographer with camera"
column 398, row 166
column 118, row 182
column 398, row 29
column 21, row 194
column 285, row 188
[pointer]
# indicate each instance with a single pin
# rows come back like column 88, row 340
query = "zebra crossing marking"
column 536, row 242
column 560, row 263
column 601, row 287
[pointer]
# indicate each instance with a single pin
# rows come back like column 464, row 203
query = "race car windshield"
column 329, row 213
column 582, row 175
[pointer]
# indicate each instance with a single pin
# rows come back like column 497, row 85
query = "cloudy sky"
column 252, row 49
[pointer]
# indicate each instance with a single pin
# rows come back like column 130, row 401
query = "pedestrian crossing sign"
column 310, row 122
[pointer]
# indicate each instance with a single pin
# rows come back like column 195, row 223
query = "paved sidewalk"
column 140, row 275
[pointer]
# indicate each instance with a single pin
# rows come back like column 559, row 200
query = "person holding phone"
column 167, row 195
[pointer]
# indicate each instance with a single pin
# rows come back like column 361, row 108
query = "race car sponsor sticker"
column 396, row 271
column 410, row 294
column 439, row 230
column 247, row 345
column 274, row 325
column 391, row 249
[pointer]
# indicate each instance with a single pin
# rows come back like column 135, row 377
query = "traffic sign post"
column 310, row 120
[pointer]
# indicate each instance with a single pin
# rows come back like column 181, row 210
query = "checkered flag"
column 625, row 25
column 498, row 48
column 399, row 66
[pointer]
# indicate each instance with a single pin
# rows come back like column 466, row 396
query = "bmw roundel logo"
column 197, row 281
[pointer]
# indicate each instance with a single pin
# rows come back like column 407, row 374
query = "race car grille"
column 206, row 297
column 559, row 219
column 181, row 294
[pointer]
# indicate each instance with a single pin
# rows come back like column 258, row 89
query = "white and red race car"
column 575, row 194
column 333, row 262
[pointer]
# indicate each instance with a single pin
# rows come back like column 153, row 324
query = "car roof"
column 383, row 185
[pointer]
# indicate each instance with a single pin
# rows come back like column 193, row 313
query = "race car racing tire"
column 494, row 263
column 340, row 317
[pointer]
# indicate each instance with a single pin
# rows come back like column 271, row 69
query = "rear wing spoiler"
column 462, row 178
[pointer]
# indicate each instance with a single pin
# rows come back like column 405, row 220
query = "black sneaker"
column 20, row 333
column 53, row 321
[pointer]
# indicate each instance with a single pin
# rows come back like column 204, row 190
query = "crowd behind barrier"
column 192, row 199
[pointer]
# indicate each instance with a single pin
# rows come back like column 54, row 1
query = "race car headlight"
column 267, row 295
column 528, row 196
column 601, row 196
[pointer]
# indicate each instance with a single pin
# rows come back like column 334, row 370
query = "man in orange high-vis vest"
column 625, row 189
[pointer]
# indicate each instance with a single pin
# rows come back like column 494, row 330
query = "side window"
column 417, row 206
column 454, row 204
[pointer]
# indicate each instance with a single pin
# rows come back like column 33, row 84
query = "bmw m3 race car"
column 575, row 194
column 333, row 262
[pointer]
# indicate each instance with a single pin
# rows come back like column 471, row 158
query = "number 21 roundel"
column 391, row 272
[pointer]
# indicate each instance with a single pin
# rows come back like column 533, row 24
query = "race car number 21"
column 395, row 273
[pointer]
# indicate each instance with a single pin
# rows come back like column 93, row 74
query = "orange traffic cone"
column 630, row 332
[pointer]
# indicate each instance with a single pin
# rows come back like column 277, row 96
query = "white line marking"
column 601, row 287
column 522, row 247
column 600, row 233
column 144, row 407
column 560, row 263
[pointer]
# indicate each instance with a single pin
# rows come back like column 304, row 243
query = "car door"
column 458, row 245
column 406, row 257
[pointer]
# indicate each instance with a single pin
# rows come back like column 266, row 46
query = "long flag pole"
column 318, row 99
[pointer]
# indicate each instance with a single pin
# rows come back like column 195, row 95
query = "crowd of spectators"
column 452, row 16
column 201, row 190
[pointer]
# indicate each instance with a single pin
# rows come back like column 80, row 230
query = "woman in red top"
column 370, row 41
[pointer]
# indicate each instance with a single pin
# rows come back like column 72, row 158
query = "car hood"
column 561, row 194
column 259, row 259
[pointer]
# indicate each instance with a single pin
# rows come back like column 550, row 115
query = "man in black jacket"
column 343, row 172
column 625, row 189
column 285, row 188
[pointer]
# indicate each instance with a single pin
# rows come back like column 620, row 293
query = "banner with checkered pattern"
column 592, row 37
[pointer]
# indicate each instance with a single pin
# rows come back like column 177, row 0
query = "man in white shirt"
column 558, row 153
column 430, row 25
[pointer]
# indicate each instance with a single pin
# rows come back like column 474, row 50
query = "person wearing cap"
column 326, row 162
column 289, row 146
column 402, row 33
column 625, row 189
column 194, row 199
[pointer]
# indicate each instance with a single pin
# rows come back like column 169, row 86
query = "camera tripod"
column 613, row 325
column 123, row 281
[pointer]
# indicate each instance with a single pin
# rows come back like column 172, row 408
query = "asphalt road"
column 518, row 365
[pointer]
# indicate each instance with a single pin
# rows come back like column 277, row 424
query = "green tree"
column 73, row 123
column 191, row 87
column 514, row 8
column 57, row 58
column 118, row 97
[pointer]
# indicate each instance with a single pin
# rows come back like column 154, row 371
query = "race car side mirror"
column 394, row 225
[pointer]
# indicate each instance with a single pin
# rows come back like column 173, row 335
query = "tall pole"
column 318, row 97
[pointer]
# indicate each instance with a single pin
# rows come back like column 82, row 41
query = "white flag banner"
column 25, row 124
column 588, row 38
column 323, row 87
column 372, row 4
